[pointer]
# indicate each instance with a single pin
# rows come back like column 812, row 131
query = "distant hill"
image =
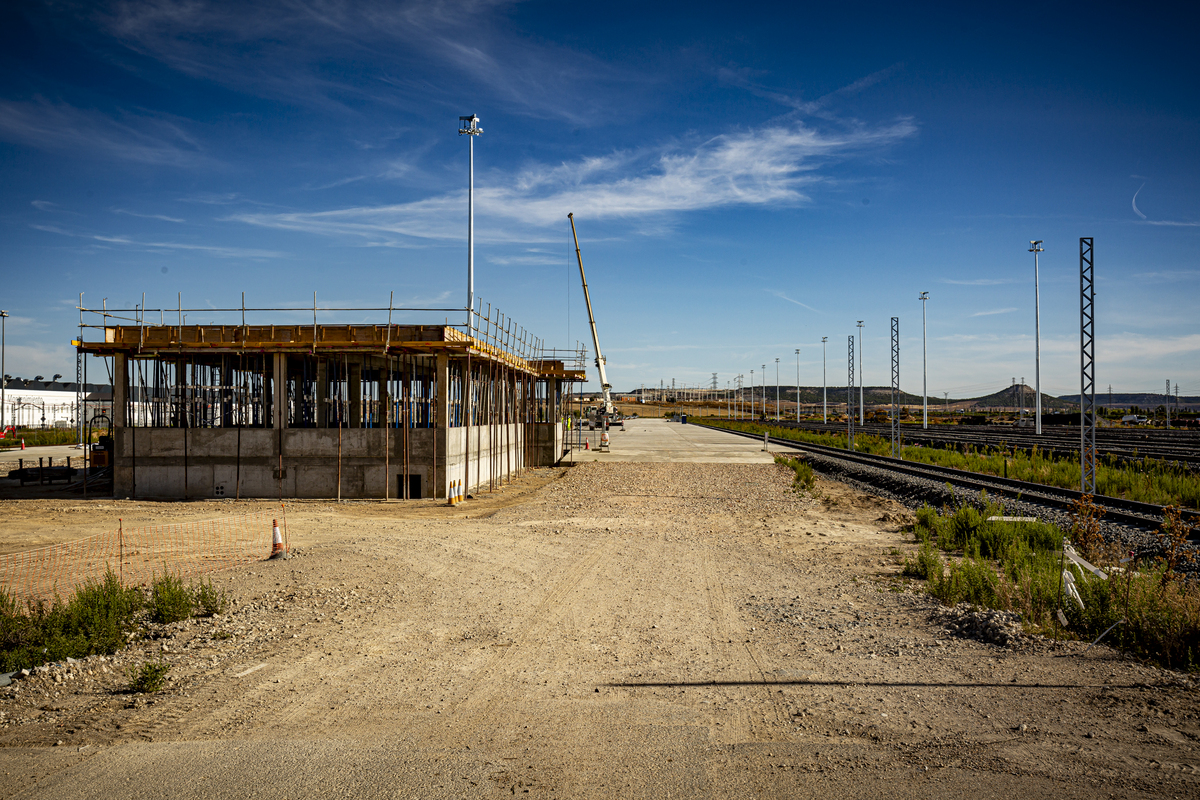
column 1008, row 398
column 1142, row 400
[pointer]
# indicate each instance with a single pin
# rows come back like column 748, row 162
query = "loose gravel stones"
column 983, row 624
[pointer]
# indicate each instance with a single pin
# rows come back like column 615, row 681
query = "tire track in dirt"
column 738, row 659
column 476, row 709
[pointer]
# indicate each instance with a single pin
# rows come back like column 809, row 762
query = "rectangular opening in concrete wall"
column 414, row 487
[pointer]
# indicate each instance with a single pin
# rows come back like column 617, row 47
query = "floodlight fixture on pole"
column 777, row 390
column 1035, row 248
column 797, row 384
column 924, row 366
column 824, row 385
column 470, row 128
column 862, row 411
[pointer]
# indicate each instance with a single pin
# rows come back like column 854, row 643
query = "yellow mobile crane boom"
column 604, row 384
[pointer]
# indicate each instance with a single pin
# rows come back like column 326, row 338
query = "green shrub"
column 971, row 580
column 805, row 478
column 170, row 600
column 927, row 517
column 95, row 621
column 209, row 600
column 148, row 677
column 928, row 563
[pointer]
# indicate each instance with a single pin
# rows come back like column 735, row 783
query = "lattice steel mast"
column 1087, row 369
column 895, row 387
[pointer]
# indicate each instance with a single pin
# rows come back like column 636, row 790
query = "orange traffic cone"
column 277, row 549
column 22, row 444
column 587, row 444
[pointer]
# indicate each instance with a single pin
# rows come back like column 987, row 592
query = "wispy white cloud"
column 296, row 50
column 44, row 205
column 995, row 311
column 125, row 241
column 820, row 107
column 769, row 166
column 528, row 260
column 123, row 136
column 783, row 296
column 220, row 252
column 975, row 282
column 1171, row 223
column 163, row 217
column 1169, row 275
column 1133, row 202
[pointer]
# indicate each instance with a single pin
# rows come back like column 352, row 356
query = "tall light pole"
column 824, row 385
column 470, row 128
column 1037, row 338
column 777, row 390
column 3, row 374
column 797, row 385
column 751, row 395
column 764, row 402
column 924, row 367
column 862, row 412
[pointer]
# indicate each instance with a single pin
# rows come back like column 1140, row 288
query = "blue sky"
column 744, row 181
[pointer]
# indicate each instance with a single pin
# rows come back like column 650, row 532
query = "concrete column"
column 279, row 392
column 267, row 393
column 120, row 391
column 554, row 387
column 322, row 393
column 355, row 387
column 442, row 402
column 441, row 430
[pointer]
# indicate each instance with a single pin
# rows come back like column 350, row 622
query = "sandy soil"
column 612, row 630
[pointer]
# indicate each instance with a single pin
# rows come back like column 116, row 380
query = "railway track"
column 1129, row 513
column 1130, row 445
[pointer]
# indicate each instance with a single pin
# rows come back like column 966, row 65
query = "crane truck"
column 606, row 410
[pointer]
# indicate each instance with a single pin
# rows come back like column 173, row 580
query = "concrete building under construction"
column 323, row 411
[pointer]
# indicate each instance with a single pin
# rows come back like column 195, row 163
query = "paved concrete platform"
column 660, row 440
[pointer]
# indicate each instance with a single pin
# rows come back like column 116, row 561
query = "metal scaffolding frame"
column 1087, row 368
column 850, row 392
column 895, row 387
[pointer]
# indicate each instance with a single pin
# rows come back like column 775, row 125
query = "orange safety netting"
column 137, row 554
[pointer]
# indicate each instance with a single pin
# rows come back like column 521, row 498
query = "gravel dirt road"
column 609, row 630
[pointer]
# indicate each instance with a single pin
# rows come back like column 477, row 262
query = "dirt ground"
column 611, row 630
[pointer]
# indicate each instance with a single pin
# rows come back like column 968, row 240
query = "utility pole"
column 862, row 411
column 3, row 374
column 751, row 395
column 1167, row 406
column 824, row 385
column 470, row 128
column 764, row 395
column 1035, row 248
column 924, row 366
column 777, row 390
column 797, row 385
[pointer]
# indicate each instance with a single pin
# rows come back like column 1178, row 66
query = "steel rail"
column 1116, row 509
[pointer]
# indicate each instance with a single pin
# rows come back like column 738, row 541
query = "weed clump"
column 805, row 479
column 148, row 677
column 96, row 620
column 170, row 599
column 1016, row 566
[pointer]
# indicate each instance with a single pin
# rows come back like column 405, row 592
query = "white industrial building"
column 39, row 403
